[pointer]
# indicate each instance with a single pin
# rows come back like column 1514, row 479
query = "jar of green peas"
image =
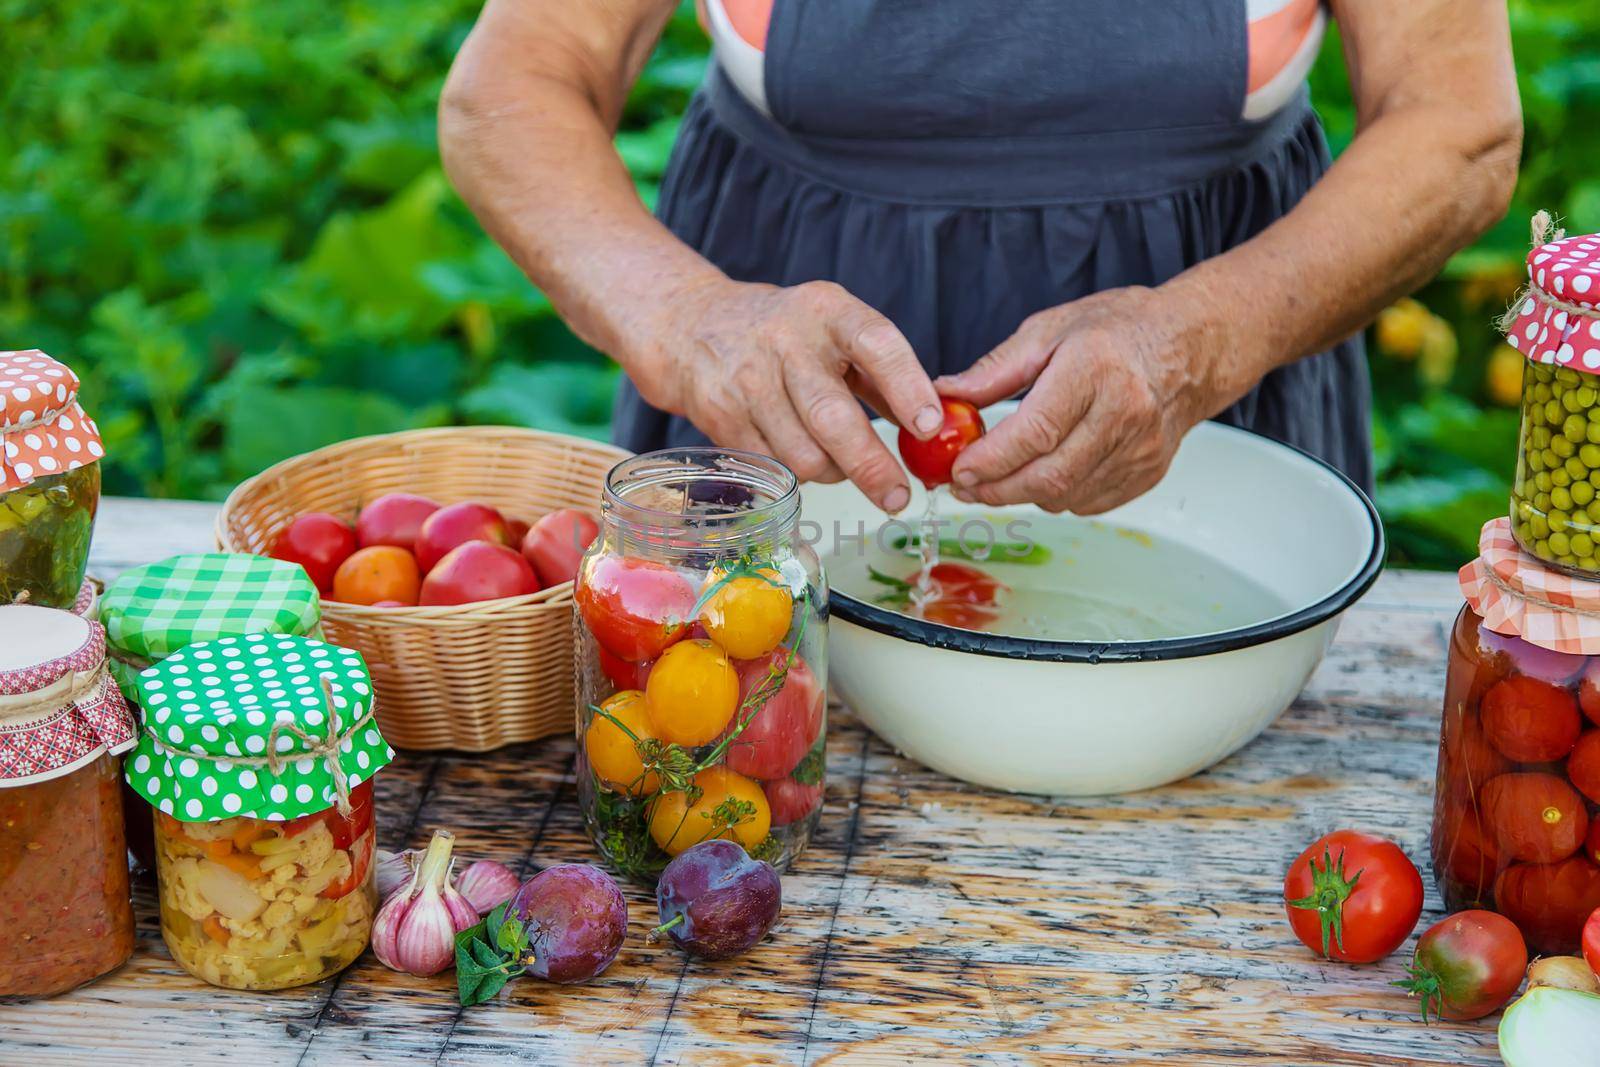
column 1555, row 497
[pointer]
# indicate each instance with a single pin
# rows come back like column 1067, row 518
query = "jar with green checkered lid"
column 257, row 754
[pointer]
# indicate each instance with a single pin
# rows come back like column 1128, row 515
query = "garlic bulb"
column 486, row 885
column 415, row 929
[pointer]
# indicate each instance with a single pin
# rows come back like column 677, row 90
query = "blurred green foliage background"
column 230, row 219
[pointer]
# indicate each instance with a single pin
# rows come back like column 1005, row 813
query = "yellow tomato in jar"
column 691, row 693
column 749, row 614
column 613, row 755
column 730, row 805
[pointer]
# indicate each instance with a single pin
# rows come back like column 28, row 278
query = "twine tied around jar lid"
column 84, row 684
column 325, row 748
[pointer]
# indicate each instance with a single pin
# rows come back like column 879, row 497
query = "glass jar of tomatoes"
column 49, row 481
column 1556, row 324
column 1518, row 788
column 701, row 662
column 63, row 865
column 258, row 753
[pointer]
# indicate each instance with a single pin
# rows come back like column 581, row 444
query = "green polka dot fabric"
column 150, row 612
column 212, row 711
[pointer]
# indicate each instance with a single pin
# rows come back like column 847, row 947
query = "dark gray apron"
column 960, row 165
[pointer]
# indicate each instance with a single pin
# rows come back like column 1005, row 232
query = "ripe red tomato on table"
column 634, row 607
column 1531, row 721
column 319, row 542
column 1352, row 896
column 1467, row 965
column 932, row 459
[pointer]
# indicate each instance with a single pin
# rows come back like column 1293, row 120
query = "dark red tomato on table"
column 456, row 524
column 931, row 460
column 1549, row 902
column 1531, row 721
column 1591, row 942
column 790, row 800
column 622, row 673
column 634, row 607
column 394, row 519
column 556, row 543
column 780, row 733
column 1352, row 896
column 1467, row 965
column 1534, row 816
column 478, row 571
column 319, row 542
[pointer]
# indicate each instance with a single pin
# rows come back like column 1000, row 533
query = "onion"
column 1563, row 972
column 1551, row 1027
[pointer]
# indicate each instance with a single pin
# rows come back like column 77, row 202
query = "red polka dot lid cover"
column 1558, row 320
column 43, row 429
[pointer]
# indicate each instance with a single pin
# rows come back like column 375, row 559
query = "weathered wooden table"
column 929, row 920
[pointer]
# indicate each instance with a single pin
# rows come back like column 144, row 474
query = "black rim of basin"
column 920, row 631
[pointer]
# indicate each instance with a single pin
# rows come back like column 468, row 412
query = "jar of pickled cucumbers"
column 257, row 753
column 63, row 866
column 1555, row 512
column 701, row 665
column 1515, row 826
column 49, row 481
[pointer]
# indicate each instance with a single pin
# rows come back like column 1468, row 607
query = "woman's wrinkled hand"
column 1117, row 379
column 778, row 370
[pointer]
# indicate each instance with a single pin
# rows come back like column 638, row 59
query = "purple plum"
column 576, row 919
column 717, row 902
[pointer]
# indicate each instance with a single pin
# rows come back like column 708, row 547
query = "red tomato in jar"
column 319, row 542
column 345, row 829
column 634, row 607
column 790, row 800
column 1591, row 841
column 1591, row 940
column 1534, row 817
column 781, row 732
column 1549, row 902
column 623, row 674
column 360, row 866
column 1468, row 759
column 1467, row 965
column 1589, row 692
column 1531, row 721
column 1352, row 896
column 556, row 543
column 1464, row 851
column 932, row 459
column 1583, row 766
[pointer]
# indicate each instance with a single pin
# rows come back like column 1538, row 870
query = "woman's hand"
column 1117, row 379
column 778, row 370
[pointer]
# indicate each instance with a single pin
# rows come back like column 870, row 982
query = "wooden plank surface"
column 929, row 920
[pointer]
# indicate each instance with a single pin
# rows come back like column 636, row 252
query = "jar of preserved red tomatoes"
column 1556, row 324
column 49, row 481
column 1518, row 789
column 257, row 753
column 63, row 865
column 701, row 665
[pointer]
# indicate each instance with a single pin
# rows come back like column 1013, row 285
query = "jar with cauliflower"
column 263, row 799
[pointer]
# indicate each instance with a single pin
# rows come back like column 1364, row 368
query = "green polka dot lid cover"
column 244, row 726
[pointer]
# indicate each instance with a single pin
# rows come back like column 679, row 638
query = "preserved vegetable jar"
column 152, row 611
column 49, row 481
column 258, row 753
column 701, row 662
column 63, row 865
column 1518, row 787
column 1555, row 512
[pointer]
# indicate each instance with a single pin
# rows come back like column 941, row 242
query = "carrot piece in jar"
column 1535, row 817
column 248, row 866
column 247, row 835
column 219, row 849
column 215, row 930
column 1531, row 721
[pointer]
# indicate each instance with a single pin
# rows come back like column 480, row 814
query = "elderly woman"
column 1124, row 207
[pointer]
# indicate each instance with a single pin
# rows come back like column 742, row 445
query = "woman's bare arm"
column 526, row 122
column 1431, row 167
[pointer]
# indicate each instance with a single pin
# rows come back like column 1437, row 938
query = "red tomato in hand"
column 1531, row 721
column 1534, row 816
column 556, row 543
column 634, row 607
column 1467, row 965
column 1591, row 935
column 1549, row 902
column 932, row 459
column 781, row 731
column 319, row 542
column 1352, row 896
column 790, row 800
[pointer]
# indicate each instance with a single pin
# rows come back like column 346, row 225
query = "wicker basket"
column 471, row 677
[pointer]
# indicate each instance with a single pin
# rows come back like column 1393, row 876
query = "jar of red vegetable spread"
column 1514, row 826
column 152, row 611
column 63, row 865
column 257, row 753
column 701, row 662
column 1555, row 512
column 49, row 481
